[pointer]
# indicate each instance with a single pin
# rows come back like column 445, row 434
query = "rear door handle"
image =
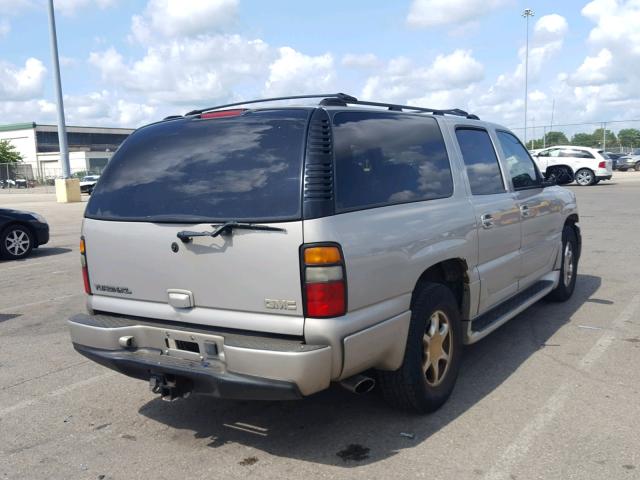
column 524, row 210
column 487, row 221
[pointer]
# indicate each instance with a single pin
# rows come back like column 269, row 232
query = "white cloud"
column 432, row 13
column 403, row 80
column 186, row 71
column 295, row 73
column 594, row 70
column 179, row 18
column 606, row 84
column 105, row 108
column 505, row 98
column 365, row 60
column 21, row 83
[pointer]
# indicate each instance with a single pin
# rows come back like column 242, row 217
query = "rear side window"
column 523, row 171
column 385, row 158
column 480, row 160
column 247, row 167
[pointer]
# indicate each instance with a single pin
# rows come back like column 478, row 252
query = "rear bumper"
column 604, row 176
column 227, row 364
column 196, row 377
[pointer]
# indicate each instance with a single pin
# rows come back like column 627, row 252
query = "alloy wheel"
column 568, row 264
column 584, row 177
column 437, row 345
column 17, row 242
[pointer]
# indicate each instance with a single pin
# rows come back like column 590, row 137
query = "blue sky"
column 130, row 62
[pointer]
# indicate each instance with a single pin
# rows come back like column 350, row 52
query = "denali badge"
column 280, row 304
column 110, row 289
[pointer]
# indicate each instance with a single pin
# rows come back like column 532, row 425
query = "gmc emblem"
column 272, row 304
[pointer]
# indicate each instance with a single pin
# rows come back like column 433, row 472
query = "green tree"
column 583, row 140
column 8, row 153
column 629, row 137
column 598, row 139
column 555, row 138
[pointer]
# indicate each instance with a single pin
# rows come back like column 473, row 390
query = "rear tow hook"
column 168, row 387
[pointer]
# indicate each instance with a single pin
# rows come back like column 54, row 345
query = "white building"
column 90, row 148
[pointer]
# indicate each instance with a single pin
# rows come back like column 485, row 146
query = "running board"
column 486, row 323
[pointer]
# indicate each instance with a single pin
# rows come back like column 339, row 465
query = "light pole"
column 526, row 14
column 67, row 190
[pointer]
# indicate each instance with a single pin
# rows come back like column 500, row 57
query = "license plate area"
column 193, row 346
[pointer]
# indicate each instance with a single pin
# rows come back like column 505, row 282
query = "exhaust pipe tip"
column 359, row 384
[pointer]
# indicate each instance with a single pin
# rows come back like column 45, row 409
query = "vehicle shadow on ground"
column 338, row 428
column 40, row 252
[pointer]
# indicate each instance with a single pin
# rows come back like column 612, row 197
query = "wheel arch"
column 561, row 165
column 452, row 273
column 572, row 222
column 13, row 223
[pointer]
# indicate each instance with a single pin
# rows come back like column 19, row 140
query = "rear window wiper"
column 226, row 229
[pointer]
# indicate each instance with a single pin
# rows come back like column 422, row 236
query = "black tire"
column 585, row 177
column 411, row 387
column 596, row 181
column 565, row 288
column 16, row 242
column 637, row 167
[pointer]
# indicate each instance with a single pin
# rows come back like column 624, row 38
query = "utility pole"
column 604, row 136
column 526, row 14
column 67, row 190
column 62, row 129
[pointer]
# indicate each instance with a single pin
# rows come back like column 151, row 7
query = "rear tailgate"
column 192, row 174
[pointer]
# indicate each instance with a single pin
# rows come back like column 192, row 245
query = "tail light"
column 85, row 270
column 325, row 286
column 602, row 165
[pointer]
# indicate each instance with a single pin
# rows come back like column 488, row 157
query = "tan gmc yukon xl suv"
column 262, row 252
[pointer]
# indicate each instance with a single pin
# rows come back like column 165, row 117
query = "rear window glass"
column 235, row 168
column 386, row 158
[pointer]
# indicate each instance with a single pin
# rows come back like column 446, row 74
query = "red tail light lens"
column 85, row 270
column 602, row 165
column 223, row 113
column 325, row 299
column 325, row 287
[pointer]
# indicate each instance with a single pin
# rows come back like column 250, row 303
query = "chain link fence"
column 616, row 136
column 21, row 177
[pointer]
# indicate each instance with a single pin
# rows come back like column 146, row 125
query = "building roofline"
column 17, row 126
column 83, row 126
column 32, row 125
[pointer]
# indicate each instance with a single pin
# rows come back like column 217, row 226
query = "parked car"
column 263, row 253
column 566, row 163
column 615, row 157
column 629, row 162
column 20, row 232
column 88, row 183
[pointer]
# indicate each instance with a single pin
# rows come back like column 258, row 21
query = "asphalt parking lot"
column 554, row 394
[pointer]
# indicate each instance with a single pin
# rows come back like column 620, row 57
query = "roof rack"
column 344, row 99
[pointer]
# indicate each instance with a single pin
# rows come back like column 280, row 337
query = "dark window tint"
column 385, row 158
column 580, row 154
column 481, row 161
column 237, row 168
column 522, row 170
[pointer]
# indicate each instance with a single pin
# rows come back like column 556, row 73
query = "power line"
column 580, row 124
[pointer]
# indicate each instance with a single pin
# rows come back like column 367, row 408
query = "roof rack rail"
column 341, row 96
column 344, row 99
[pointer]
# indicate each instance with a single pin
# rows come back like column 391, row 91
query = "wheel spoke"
column 435, row 368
